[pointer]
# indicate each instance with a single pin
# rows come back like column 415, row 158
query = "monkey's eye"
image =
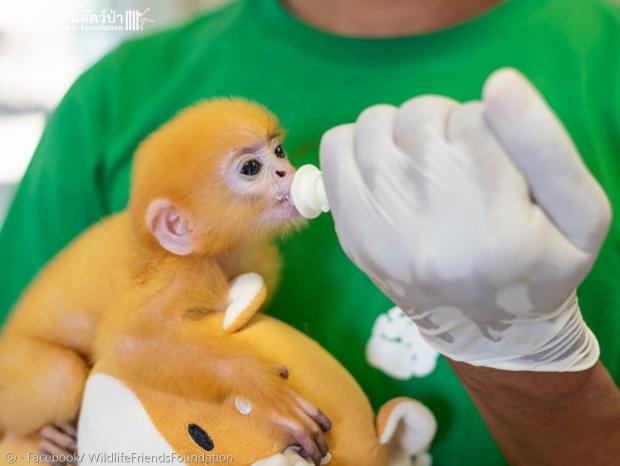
column 251, row 167
column 280, row 151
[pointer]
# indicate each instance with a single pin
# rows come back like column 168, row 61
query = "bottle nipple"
column 308, row 192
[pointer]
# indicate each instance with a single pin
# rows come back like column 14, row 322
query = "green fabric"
column 313, row 80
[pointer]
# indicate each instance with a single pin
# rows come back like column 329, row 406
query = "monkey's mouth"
column 282, row 198
column 282, row 209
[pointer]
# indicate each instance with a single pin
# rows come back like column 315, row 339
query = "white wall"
column 44, row 46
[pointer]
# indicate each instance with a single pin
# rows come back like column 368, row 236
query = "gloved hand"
column 479, row 220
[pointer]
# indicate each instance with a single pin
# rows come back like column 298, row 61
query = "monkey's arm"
column 45, row 344
column 208, row 365
column 157, row 337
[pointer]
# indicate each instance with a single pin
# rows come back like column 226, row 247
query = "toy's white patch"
column 290, row 457
column 423, row 459
column 411, row 425
column 409, row 430
column 242, row 291
column 396, row 347
column 113, row 420
column 514, row 299
column 243, row 405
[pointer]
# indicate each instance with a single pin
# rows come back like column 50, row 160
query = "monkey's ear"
column 170, row 227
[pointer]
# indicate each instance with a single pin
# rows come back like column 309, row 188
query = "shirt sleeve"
column 61, row 193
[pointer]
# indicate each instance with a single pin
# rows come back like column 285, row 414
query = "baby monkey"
column 210, row 191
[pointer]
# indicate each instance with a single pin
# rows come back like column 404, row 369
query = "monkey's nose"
column 281, row 173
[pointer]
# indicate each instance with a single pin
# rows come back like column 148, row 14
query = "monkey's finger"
column 46, row 457
column 67, row 463
column 319, row 438
column 49, row 448
column 59, row 438
column 309, row 447
column 55, row 463
column 314, row 413
column 282, row 371
column 68, row 428
column 314, row 429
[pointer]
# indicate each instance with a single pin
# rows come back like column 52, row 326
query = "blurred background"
column 45, row 45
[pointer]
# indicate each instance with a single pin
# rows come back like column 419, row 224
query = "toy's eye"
column 199, row 436
column 279, row 151
column 251, row 167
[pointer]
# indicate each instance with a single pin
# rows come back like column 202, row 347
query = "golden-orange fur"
column 224, row 221
column 115, row 284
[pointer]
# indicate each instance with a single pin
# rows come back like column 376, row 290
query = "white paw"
column 397, row 349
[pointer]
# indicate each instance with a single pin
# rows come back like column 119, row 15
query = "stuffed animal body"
column 123, row 421
column 130, row 419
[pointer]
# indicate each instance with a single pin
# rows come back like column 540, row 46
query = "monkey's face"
column 213, row 177
column 261, row 175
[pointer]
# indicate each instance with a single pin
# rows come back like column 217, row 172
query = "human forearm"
column 548, row 418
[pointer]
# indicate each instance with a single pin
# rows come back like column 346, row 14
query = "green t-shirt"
column 80, row 172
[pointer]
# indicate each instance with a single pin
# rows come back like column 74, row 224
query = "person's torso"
column 314, row 81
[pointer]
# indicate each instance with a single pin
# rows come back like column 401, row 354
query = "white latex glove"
column 479, row 220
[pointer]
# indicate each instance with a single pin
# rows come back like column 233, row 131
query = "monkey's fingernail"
column 282, row 371
column 323, row 421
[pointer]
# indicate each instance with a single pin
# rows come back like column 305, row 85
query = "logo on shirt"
column 397, row 349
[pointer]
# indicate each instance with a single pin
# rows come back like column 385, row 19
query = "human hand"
column 479, row 220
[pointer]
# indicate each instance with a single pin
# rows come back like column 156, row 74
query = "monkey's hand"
column 246, row 295
column 59, row 444
column 272, row 399
column 213, row 368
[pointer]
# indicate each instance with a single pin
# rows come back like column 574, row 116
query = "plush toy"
column 123, row 422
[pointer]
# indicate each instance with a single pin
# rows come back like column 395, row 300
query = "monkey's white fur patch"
column 243, row 290
column 113, row 420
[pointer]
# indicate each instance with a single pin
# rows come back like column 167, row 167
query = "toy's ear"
column 170, row 226
column 407, row 428
column 290, row 457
